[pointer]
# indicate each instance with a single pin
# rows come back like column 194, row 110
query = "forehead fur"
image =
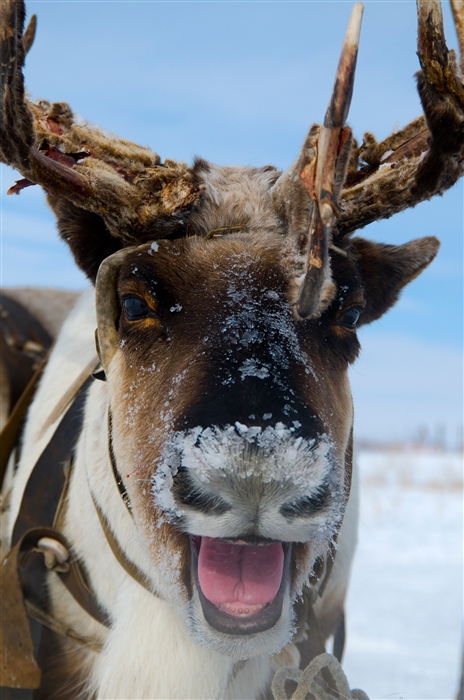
column 191, row 266
column 235, row 196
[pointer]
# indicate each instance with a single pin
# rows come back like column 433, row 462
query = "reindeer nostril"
column 187, row 493
column 308, row 505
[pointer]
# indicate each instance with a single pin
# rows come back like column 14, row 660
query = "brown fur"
column 386, row 269
column 65, row 669
column 50, row 306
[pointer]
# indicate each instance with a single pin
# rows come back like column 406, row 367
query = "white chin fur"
column 245, row 646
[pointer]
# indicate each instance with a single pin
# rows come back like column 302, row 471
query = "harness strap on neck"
column 24, row 342
column 64, row 630
column 19, row 668
column 23, row 573
column 74, row 580
column 128, row 565
column 18, row 665
column 48, row 478
column 9, row 437
column 117, row 476
column 70, row 393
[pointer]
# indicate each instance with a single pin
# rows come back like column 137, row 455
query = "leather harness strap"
column 22, row 591
column 70, row 394
column 117, row 476
column 24, row 346
column 23, row 572
column 9, row 436
column 64, row 630
column 119, row 554
column 48, row 477
column 19, row 668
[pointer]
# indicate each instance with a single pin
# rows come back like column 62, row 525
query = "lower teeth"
column 227, row 607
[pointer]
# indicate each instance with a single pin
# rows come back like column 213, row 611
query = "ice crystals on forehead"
column 253, row 368
column 257, row 316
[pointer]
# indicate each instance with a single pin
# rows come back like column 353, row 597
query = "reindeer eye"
column 136, row 308
column 350, row 317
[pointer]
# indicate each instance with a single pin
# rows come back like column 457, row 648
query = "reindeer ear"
column 386, row 269
column 86, row 235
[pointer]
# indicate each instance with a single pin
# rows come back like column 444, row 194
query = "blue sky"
column 240, row 83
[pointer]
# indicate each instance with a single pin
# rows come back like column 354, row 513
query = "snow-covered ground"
column 405, row 604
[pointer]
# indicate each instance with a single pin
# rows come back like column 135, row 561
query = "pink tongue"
column 234, row 573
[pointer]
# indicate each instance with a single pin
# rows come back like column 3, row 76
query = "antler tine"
column 442, row 95
column 29, row 34
column 17, row 133
column 431, row 42
column 329, row 146
column 333, row 148
column 457, row 7
column 427, row 156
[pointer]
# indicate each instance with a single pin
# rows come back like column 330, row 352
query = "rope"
column 60, row 628
column 308, row 683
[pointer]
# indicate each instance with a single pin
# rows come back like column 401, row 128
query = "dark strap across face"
column 116, row 473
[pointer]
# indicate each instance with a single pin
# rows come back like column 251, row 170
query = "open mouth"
column 241, row 586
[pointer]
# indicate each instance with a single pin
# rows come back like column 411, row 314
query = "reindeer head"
column 226, row 330
column 232, row 419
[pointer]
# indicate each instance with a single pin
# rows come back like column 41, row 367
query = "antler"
column 125, row 184
column 427, row 156
column 133, row 191
column 306, row 196
column 325, row 174
column 16, row 136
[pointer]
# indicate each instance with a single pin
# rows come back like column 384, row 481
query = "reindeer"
column 183, row 516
